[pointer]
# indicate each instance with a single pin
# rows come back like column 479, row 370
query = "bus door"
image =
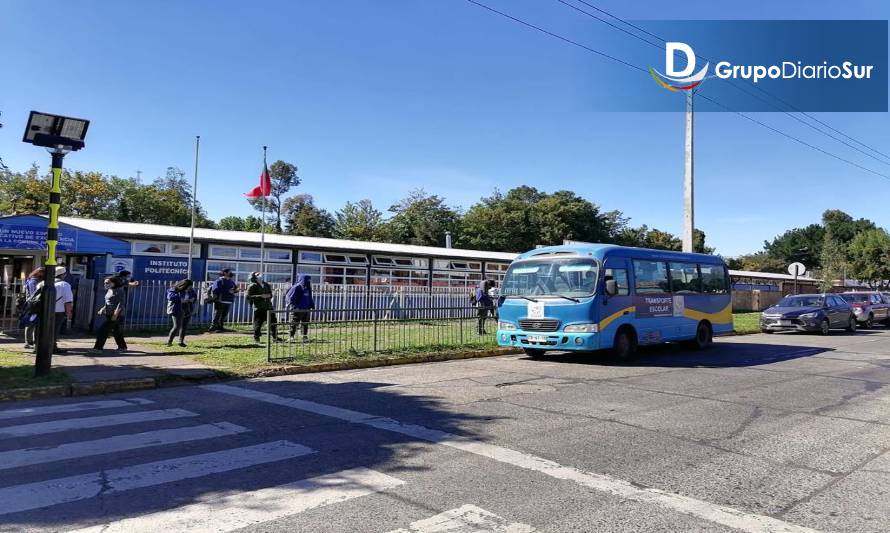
column 653, row 302
column 616, row 309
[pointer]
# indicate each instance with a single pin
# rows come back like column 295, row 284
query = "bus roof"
column 601, row 251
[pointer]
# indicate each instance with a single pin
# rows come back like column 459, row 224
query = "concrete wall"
column 743, row 301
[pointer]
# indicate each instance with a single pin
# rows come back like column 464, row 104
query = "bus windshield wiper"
column 521, row 296
column 566, row 297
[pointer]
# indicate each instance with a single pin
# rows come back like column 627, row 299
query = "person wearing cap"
column 223, row 291
column 64, row 305
column 259, row 294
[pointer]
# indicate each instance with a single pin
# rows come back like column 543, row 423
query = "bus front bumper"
column 556, row 340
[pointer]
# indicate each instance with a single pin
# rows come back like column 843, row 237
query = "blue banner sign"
column 166, row 268
column 21, row 237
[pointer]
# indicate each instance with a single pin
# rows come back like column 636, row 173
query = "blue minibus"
column 585, row 297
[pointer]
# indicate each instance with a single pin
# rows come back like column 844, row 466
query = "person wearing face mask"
column 259, row 294
column 113, row 312
column 223, row 291
column 181, row 300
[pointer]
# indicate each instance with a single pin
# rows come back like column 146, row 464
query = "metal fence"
column 146, row 304
column 371, row 331
column 9, row 313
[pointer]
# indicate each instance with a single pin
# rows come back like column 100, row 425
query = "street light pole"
column 194, row 207
column 46, row 339
column 688, row 180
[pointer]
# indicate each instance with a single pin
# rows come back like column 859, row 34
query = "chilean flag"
column 265, row 186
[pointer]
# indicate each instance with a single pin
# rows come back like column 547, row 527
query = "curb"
column 170, row 380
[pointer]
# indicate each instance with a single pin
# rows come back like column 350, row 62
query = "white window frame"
column 239, row 254
column 166, row 248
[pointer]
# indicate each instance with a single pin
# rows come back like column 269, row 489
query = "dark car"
column 809, row 312
column 869, row 307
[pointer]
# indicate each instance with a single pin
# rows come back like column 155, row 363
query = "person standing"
column 30, row 317
column 181, row 300
column 223, row 291
column 484, row 304
column 259, row 294
column 300, row 303
column 113, row 312
column 63, row 307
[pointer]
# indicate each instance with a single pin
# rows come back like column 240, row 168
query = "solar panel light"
column 54, row 131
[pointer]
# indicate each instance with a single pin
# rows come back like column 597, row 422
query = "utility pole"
column 688, row 181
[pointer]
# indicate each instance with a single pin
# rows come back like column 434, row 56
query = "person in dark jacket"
column 30, row 319
column 300, row 303
column 223, row 290
column 259, row 294
column 484, row 304
column 113, row 312
column 181, row 300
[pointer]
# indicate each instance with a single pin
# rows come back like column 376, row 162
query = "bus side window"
column 713, row 279
column 620, row 277
column 684, row 278
column 650, row 277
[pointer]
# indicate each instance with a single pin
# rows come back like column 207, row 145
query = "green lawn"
column 17, row 372
column 744, row 323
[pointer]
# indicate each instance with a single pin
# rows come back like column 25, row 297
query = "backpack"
column 209, row 297
column 32, row 304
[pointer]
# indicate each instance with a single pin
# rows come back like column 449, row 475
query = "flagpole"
column 263, row 226
column 194, row 207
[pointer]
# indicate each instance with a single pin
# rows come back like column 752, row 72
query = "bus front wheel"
column 625, row 346
column 703, row 336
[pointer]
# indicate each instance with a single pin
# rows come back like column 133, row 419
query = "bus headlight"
column 507, row 326
column 581, row 328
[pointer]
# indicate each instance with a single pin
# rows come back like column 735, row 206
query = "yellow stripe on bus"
column 604, row 323
column 724, row 316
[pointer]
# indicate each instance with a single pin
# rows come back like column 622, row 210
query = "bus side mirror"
column 611, row 287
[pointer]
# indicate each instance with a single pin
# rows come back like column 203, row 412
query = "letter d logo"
column 669, row 59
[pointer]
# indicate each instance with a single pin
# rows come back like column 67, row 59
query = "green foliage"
column 284, row 177
column 870, row 257
column 422, row 219
column 303, row 217
column 757, row 262
column 833, row 259
column 359, row 221
column 798, row 245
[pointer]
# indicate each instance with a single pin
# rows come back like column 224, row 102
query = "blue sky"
column 375, row 98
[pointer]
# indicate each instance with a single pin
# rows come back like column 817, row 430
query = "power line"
column 641, row 69
column 731, row 83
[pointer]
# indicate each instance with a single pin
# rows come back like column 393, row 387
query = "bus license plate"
column 537, row 338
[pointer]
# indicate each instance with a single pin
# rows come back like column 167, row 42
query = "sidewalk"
column 138, row 363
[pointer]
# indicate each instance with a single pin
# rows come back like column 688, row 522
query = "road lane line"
column 8, row 414
column 68, row 424
column 75, row 488
column 230, row 512
column 720, row 514
column 118, row 443
column 465, row 519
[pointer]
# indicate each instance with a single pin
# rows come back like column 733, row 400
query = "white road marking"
column 465, row 519
column 712, row 512
column 229, row 512
column 68, row 424
column 74, row 488
column 70, row 408
column 118, row 443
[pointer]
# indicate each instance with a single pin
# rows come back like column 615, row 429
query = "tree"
column 758, row 262
column 833, row 260
column 698, row 242
column 303, row 217
column 359, row 221
column 503, row 222
column 798, row 245
column 870, row 257
column 23, row 192
column 284, row 177
column 565, row 215
column 231, row 223
column 422, row 219
column 88, row 195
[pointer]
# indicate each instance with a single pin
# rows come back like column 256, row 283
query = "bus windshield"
column 572, row 277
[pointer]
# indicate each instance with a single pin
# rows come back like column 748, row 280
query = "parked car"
column 809, row 312
column 869, row 307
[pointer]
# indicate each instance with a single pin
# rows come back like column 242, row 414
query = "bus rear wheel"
column 625, row 346
column 534, row 353
column 703, row 336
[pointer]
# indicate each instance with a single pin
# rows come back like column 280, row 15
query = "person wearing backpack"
column 181, row 300
column 300, row 303
column 259, row 294
column 30, row 315
column 223, row 296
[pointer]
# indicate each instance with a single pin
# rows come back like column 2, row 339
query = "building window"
column 172, row 249
column 310, row 257
column 403, row 262
column 249, row 253
column 275, row 273
column 223, row 252
column 399, row 278
column 456, row 279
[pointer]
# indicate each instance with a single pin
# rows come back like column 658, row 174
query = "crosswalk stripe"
column 75, row 488
column 55, row 426
column 8, row 414
column 465, row 519
column 118, row 443
column 720, row 514
column 229, row 512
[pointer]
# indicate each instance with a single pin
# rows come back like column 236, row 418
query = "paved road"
column 759, row 433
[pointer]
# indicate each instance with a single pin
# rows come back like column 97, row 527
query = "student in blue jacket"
column 181, row 300
column 300, row 303
column 223, row 291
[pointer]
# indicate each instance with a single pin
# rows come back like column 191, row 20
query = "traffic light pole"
column 46, row 340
